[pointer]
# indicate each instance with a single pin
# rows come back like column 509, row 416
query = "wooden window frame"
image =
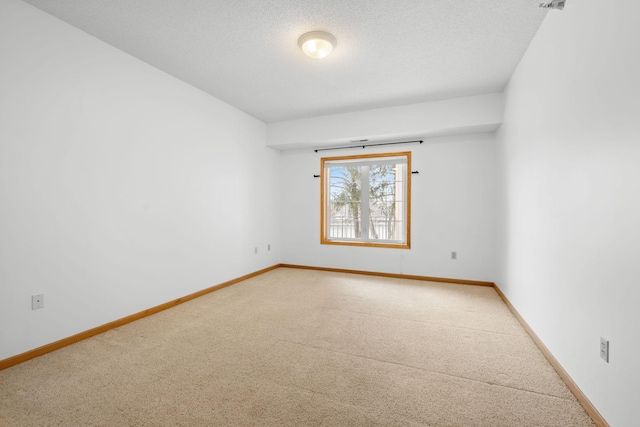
column 324, row 206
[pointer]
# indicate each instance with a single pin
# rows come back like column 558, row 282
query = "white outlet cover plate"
column 604, row 349
column 37, row 301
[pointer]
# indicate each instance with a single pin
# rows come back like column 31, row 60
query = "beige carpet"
column 302, row 348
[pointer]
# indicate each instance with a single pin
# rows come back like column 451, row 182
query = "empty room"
column 296, row 213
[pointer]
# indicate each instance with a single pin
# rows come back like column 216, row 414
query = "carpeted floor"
column 302, row 348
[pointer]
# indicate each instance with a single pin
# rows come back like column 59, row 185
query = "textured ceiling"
column 389, row 53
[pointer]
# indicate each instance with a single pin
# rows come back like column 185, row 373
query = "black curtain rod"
column 368, row 145
column 413, row 172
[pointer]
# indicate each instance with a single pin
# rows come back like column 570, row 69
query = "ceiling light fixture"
column 317, row 44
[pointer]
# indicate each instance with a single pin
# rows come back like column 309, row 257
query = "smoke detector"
column 555, row 4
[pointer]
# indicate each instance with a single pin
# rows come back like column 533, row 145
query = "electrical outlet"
column 37, row 301
column 604, row 349
column 269, row 247
column 454, row 255
column 255, row 250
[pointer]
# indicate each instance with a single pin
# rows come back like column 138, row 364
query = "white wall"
column 570, row 160
column 452, row 208
column 121, row 187
column 472, row 114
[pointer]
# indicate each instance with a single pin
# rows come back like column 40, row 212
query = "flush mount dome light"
column 317, row 44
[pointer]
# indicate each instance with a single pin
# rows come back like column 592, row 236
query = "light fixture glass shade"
column 317, row 44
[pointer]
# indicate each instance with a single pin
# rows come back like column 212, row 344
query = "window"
column 366, row 200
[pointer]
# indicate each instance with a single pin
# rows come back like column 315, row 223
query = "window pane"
column 345, row 190
column 385, row 197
